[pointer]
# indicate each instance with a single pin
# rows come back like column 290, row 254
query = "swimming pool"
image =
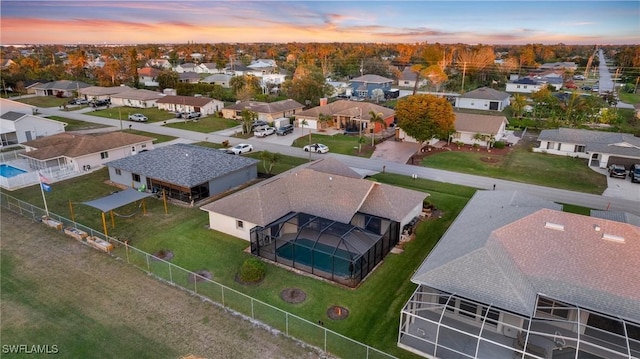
column 10, row 171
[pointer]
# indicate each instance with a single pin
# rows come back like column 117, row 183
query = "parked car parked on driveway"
column 192, row 115
column 264, row 131
column 241, row 148
column 634, row 172
column 316, row 147
column 283, row 130
column 617, row 171
column 258, row 123
column 138, row 117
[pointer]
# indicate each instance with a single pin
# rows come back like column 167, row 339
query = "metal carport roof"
column 117, row 200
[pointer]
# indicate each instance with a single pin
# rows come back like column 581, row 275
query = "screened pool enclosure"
column 343, row 253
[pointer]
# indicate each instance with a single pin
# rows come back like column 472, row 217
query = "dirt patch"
column 164, row 254
column 199, row 276
column 293, row 295
column 80, row 282
column 337, row 312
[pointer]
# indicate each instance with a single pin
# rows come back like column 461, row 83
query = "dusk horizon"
column 469, row 22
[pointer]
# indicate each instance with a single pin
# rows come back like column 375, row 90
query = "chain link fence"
column 289, row 324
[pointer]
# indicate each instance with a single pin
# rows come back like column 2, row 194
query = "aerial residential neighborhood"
column 255, row 190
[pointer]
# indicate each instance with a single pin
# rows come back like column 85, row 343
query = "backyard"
column 183, row 231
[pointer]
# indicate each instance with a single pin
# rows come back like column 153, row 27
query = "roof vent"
column 557, row 227
column 613, row 238
column 596, row 227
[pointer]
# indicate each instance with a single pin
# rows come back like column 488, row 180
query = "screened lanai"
column 337, row 251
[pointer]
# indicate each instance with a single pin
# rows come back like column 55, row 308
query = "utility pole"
column 464, row 71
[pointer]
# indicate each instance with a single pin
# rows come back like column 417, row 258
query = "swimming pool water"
column 10, row 171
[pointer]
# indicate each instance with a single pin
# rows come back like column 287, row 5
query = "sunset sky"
column 471, row 22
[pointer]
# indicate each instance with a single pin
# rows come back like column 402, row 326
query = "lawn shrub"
column 252, row 271
column 498, row 144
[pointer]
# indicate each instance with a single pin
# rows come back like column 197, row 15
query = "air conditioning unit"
column 510, row 332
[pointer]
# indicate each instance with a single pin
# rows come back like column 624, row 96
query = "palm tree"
column 373, row 119
column 477, row 138
column 323, row 119
column 269, row 159
column 302, row 124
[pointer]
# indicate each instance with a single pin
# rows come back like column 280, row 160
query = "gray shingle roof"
column 186, row 100
column 139, row 94
column 12, row 116
column 183, row 164
column 484, row 124
column 499, row 252
column 618, row 216
column 372, row 79
column 62, row 85
column 486, row 93
column 595, row 141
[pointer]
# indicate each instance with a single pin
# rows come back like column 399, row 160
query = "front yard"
column 521, row 165
column 122, row 113
column 205, row 124
column 343, row 144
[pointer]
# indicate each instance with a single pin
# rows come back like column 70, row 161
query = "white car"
column 316, row 147
column 138, row 117
column 264, row 132
column 241, row 148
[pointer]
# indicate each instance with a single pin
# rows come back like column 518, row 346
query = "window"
column 579, row 148
column 559, row 146
column 133, row 149
column 104, row 155
column 550, row 145
column 239, row 225
column 553, row 308
column 468, row 309
column 471, row 310
column 135, row 177
column 118, row 172
column 143, row 146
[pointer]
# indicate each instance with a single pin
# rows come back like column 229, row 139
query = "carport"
column 117, row 200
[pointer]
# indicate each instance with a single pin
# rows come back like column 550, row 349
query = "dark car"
column 634, row 172
column 101, row 103
column 283, row 130
column 258, row 123
column 617, row 171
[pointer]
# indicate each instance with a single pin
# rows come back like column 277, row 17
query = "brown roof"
column 186, row 100
column 149, row 71
column 347, row 108
column 140, row 94
column 467, row 122
column 323, row 194
column 267, row 107
column 101, row 91
column 75, row 145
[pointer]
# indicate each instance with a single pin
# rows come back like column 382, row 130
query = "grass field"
column 84, row 304
column 521, row 165
column 346, row 145
column 44, row 101
column 205, row 124
column 75, row 125
column 122, row 113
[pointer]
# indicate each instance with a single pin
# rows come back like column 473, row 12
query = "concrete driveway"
column 394, row 151
column 286, row 140
column 618, row 187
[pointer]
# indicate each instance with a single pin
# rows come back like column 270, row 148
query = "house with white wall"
column 139, row 98
column 489, row 128
column 484, row 98
column 599, row 147
column 81, row 152
column 408, row 78
column 525, row 85
column 16, row 128
column 205, row 105
column 266, row 111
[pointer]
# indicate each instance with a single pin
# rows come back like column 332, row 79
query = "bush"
column 252, row 271
column 498, row 144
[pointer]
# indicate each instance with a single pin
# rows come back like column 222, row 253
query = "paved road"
column 557, row 195
column 606, row 81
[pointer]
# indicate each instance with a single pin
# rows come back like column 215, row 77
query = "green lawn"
column 75, row 125
column 632, row 98
column 183, row 230
column 521, row 165
column 346, row 145
column 44, row 101
column 205, row 124
column 153, row 114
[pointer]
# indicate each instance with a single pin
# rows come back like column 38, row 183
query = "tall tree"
column 518, row 104
column 167, row 79
column 424, row 117
column 132, row 67
column 307, row 86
